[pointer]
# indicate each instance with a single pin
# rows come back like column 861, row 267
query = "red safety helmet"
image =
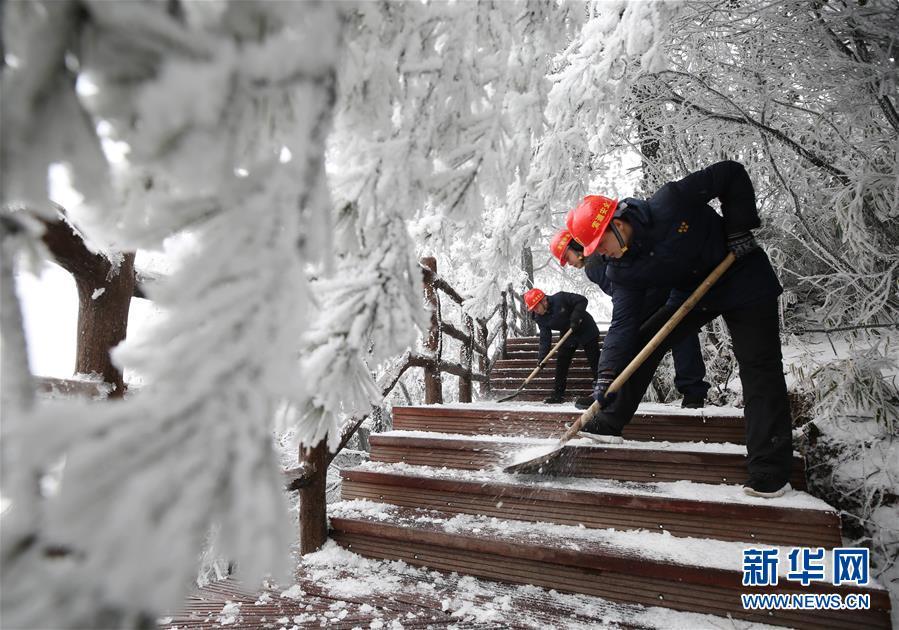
column 559, row 245
column 589, row 221
column 532, row 298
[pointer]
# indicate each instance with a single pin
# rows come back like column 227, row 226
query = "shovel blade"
column 510, row 396
column 545, row 464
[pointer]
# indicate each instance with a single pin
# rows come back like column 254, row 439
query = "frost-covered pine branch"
column 454, row 99
column 592, row 76
column 146, row 479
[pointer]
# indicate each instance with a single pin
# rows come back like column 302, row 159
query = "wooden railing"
column 476, row 339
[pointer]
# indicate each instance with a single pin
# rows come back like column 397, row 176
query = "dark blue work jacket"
column 655, row 298
column 558, row 317
column 677, row 240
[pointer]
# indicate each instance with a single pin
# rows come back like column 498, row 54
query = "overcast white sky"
column 50, row 310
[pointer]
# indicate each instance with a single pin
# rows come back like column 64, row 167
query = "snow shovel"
column 539, row 463
column 538, row 368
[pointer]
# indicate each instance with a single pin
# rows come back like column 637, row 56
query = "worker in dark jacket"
column 689, row 368
column 675, row 239
column 562, row 311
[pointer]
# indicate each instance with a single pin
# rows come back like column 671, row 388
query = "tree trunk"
column 104, row 299
column 648, row 138
column 313, row 499
column 103, row 322
column 433, row 386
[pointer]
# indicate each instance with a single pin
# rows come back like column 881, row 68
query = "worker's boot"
column 693, row 402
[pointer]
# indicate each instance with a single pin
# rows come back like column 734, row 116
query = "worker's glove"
column 601, row 392
column 741, row 243
column 576, row 318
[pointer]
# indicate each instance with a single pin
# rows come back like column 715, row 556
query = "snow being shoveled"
column 686, row 490
column 533, row 452
column 548, row 443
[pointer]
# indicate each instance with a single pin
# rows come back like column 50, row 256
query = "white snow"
column 639, row 544
column 230, row 613
column 685, row 447
column 569, row 408
column 294, row 592
column 97, row 293
column 472, row 599
column 692, row 491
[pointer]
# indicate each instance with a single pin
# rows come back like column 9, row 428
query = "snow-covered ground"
column 337, row 587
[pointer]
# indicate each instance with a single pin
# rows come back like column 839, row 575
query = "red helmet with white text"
column 589, row 221
column 532, row 298
column 559, row 245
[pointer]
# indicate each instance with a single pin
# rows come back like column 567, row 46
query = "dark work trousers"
column 755, row 332
column 563, row 362
column 689, row 368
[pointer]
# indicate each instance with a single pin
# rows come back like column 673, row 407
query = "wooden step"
column 515, row 342
column 711, row 511
column 637, row 567
column 579, row 369
column 540, row 382
column 537, row 395
column 653, row 422
column 524, row 367
column 631, row 461
column 583, row 387
column 531, row 355
column 410, row 597
column 544, row 390
column 575, row 373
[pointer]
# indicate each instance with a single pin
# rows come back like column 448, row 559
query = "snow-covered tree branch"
column 146, row 480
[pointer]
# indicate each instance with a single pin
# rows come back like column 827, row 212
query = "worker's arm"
column 620, row 343
column 546, row 338
column 577, row 306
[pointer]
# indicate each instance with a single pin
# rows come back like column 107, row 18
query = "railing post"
column 313, row 523
column 466, row 355
column 504, row 325
column 433, row 386
column 483, row 359
column 527, row 263
column 518, row 312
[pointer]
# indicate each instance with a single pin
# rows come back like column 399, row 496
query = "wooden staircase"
column 658, row 521
column 521, row 358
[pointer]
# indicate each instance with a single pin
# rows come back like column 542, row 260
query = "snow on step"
column 683, row 490
column 644, row 408
column 600, row 503
column 649, row 546
column 582, row 457
column 690, row 574
column 524, row 442
column 469, row 600
column 650, row 423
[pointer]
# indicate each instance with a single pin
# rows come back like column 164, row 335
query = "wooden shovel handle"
column 654, row 343
column 551, row 352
